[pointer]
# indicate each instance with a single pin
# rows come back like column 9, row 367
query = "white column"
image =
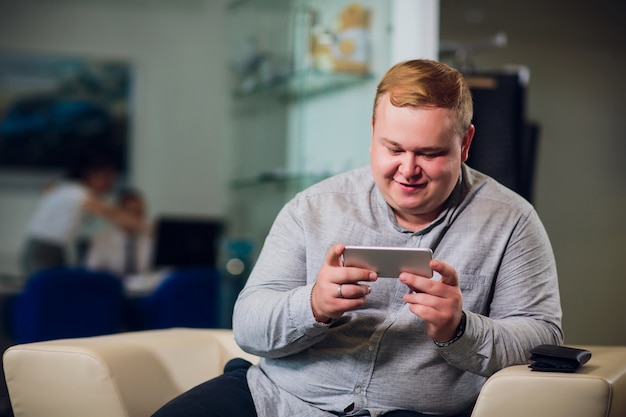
column 415, row 29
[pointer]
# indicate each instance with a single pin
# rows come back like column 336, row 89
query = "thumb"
column 448, row 274
column 333, row 256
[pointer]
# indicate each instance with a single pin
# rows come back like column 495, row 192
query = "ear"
column 372, row 133
column 466, row 142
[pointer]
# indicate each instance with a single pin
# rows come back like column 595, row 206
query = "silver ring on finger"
column 339, row 294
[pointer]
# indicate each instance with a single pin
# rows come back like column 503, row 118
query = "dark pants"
column 228, row 395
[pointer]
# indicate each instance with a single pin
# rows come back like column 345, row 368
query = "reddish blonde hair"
column 427, row 83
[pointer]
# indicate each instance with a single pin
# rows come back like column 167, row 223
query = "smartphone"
column 389, row 262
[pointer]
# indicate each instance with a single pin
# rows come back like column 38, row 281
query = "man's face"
column 416, row 157
column 101, row 180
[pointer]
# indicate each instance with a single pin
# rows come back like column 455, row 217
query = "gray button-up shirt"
column 379, row 358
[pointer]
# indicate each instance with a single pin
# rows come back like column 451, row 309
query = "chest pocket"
column 476, row 292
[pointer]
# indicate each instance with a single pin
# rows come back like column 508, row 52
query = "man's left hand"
column 438, row 303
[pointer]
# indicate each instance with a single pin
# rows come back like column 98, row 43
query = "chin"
column 409, row 206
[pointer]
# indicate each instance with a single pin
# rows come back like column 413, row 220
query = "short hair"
column 427, row 83
column 90, row 160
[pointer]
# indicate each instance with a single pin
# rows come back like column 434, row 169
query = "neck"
column 415, row 223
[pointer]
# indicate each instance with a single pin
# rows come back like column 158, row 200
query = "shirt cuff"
column 464, row 347
column 301, row 312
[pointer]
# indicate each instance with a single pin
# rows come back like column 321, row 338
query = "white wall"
column 177, row 50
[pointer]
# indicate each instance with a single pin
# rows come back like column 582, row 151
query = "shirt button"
column 370, row 348
column 357, row 390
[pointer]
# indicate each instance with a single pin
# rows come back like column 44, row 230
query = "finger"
column 417, row 283
column 353, row 275
column 448, row 274
column 422, row 285
column 429, row 314
column 435, row 302
column 353, row 290
column 333, row 256
column 350, row 274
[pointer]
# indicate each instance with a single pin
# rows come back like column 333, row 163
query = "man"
column 122, row 251
column 337, row 340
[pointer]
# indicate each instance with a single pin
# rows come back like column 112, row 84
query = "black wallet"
column 554, row 358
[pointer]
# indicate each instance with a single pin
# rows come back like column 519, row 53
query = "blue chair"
column 188, row 297
column 66, row 302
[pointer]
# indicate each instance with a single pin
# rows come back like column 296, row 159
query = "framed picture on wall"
column 53, row 108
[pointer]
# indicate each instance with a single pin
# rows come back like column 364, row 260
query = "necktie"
column 130, row 254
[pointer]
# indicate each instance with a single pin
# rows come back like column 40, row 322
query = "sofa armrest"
column 597, row 389
column 133, row 374
column 127, row 374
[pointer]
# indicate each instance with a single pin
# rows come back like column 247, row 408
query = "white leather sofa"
column 133, row 374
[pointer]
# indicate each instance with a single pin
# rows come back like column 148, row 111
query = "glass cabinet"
column 303, row 76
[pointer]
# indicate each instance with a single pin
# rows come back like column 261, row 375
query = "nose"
column 409, row 166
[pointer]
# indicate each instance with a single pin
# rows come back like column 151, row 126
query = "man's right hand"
column 338, row 288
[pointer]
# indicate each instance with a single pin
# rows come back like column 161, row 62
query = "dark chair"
column 188, row 297
column 66, row 302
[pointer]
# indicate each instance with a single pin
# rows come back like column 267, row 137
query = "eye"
column 395, row 151
column 433, row 155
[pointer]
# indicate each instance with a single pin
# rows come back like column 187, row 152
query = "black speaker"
column 504, row 146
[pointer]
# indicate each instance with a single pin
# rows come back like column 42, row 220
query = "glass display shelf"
column 297, row 179
column 304, row 84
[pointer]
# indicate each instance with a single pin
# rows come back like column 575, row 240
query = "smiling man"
column 339, row 341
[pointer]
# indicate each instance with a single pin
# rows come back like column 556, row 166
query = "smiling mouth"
column 411, row 186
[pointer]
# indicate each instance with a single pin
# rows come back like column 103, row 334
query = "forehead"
column 415, row 127
column 414, row 117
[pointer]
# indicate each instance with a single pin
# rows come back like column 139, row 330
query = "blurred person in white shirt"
column 65, row 206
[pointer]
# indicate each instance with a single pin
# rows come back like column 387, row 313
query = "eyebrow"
column 420, row 149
